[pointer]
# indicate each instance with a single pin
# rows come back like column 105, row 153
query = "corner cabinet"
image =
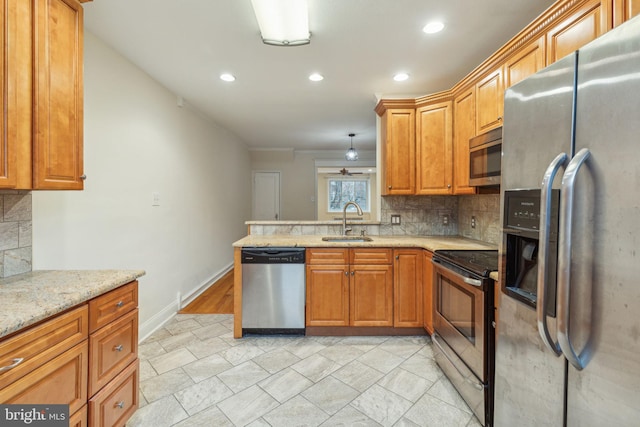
column 398, row 151
column 434, row 146
column 42, row 142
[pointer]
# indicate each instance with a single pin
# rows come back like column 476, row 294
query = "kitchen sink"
column 353, row 239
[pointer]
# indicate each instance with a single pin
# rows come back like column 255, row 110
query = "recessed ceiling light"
column 400, row 77
column 433, row 27
column 315, row 77
column 227, row 77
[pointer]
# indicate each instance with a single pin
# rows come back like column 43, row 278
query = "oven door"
column 459, row 315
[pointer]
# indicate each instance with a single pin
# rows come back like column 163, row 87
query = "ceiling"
column 357, row 45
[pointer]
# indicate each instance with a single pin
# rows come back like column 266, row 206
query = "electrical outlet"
column 445, row 219
column 473, row 222
column 395, row 219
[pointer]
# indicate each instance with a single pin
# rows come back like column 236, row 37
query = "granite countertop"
column 31, row 297
column 431, row 243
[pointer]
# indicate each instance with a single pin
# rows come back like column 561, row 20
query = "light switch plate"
column 395, row 219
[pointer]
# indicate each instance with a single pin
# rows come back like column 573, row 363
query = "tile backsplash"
column 486, row 210
column 420, row 215
column 15, row 232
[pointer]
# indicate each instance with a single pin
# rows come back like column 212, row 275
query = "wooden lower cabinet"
column 427, row 290
column 116, row 402
column 408, row 304
column 371, row 295
column 63, row 380
column 95, row 374
column 327, row 295
column 356, row 292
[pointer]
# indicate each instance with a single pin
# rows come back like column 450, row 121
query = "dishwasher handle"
column 273, row 255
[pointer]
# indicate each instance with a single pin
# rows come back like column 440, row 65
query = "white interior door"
column 266, row 196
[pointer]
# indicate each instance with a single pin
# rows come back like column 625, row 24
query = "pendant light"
column 352, row 154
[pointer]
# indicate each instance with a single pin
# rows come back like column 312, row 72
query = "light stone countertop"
column 30, row 297
column 431, row 243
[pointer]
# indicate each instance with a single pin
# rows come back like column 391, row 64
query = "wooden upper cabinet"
column 434, row 146
column 590, row 21
column 398, row 152
column 58, row 96
column 525, row 62
column 489, row 102
column 464, row 128
column 623, row 10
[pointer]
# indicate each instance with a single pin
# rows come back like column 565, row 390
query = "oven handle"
column 468, row 280
column 475, row 384
column 543, row 252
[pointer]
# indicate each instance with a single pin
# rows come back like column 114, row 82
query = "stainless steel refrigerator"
column 586, row 106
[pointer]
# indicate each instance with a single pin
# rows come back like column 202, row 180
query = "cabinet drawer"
column 112, row 305
column 117, row 401
column 62, row 380
column 79, row 419
column 111, row 349
column 39, row 344
column 371, row 256
column 327, row 256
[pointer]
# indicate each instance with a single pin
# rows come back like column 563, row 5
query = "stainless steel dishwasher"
column 273, row 290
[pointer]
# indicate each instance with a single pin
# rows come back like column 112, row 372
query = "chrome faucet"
column 346, row 229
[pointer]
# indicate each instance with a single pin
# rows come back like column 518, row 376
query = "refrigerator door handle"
column 564, row 257
column 543, row 251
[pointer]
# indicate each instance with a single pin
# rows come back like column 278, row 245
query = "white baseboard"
column 198, row 290
column 158, row 320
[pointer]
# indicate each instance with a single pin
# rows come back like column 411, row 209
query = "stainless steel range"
column 464, row 334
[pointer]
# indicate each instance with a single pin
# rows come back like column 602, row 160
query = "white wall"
column 138, row 141
column 298, row 177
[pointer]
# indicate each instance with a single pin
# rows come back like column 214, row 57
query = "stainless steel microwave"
column 485, row 153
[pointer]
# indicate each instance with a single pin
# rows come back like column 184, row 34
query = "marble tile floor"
column 194, row 373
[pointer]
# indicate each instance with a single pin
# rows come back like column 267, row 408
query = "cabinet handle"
column 397, row 256
column 448, row 185
column 119, row 404
column 83, row 177
column 499, row 118
column 353, row 273
column 346, row 273
column 390, row 187
column 118, row 348
column 120, row 304
column 16, row 362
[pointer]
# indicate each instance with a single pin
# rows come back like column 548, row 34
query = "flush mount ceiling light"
column 352, row 154
column 227, row 77
column 400, row 77
column 316, row 77
column 433, row 27
column 283, row 22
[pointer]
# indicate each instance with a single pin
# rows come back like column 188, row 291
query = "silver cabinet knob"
column 83, row 177
column 119, row 404
column 120, row 304
column 118, row 347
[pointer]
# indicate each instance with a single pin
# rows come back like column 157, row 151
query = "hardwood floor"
column 218, row 299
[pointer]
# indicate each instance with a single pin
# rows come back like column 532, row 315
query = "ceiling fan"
column 344, row 171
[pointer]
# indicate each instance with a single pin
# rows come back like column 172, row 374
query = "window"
column 343, row 190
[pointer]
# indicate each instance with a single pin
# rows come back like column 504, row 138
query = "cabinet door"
column 434, row 144
column 625, row 10
column 524, row 62
column 399, row 150
column 408, row 298
column 586, row 24
column 371, row 295
column 327, row 295
column 464, row 128
column 427, row 289
column 489, row 102
column 58, row 109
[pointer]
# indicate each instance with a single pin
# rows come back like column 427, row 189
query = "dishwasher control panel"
column 272, row 255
